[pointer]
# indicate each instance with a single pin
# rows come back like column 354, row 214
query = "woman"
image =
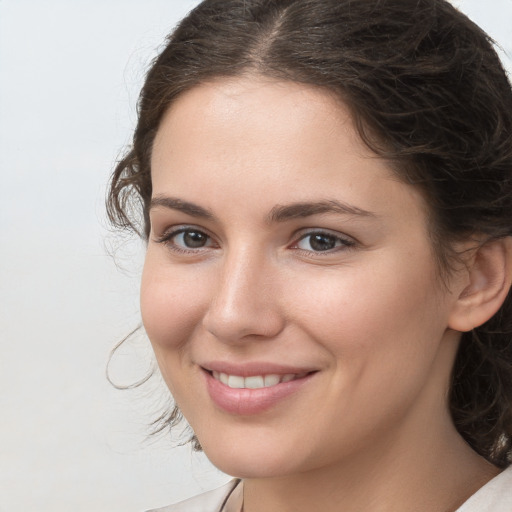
column 327, row 203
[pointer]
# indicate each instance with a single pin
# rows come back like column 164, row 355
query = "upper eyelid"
column 300, row 233
column 304, row 232
column 180, row 228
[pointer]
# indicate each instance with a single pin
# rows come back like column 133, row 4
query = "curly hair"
column 426, row 91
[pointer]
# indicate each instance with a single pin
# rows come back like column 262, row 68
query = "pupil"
column 193, row 239
column 322, row 242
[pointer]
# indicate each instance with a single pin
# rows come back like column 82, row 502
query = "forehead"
column 282, row 141
column 250, row 114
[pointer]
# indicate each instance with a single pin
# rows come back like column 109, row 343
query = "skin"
column 371, row 429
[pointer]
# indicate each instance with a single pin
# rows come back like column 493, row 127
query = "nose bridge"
column 244, row 300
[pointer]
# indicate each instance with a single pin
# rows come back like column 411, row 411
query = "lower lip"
column 245, row 401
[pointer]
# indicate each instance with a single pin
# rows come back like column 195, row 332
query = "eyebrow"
column 174, row 203
column 279, row 213
column 282, row 213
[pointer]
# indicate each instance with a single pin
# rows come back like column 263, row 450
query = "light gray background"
column 70, row 72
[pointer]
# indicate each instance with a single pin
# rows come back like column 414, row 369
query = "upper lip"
column 250, row 369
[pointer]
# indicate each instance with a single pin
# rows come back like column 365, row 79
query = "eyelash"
column 168, row 236
column 342, row 243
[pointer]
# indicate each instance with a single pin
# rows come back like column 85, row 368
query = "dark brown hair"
column 426, row 90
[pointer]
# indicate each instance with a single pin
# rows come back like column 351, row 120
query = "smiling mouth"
column 255, row 381
column 253, row 392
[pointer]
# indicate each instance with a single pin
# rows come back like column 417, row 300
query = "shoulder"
column 211, row 501
column 495, row 496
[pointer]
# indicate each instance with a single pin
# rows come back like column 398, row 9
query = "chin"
column 254, row 456
column 249, row 465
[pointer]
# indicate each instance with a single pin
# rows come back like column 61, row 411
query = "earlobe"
column 488, row 277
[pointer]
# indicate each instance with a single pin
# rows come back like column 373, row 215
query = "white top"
column 495, row 496
column 228, row 498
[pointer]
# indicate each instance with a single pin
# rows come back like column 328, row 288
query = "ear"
column 484, row 286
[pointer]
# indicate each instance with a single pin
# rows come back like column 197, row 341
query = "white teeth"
column 234, row 381
column 255, row 381
column 271, row 380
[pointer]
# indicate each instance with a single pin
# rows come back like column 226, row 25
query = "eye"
column 191, row 239
column 186, row 239
column 322, row 242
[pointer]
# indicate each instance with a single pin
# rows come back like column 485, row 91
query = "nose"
column 244, row 304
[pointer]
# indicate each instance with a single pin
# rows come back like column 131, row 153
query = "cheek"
column 369, row 313
column 172, row 308
column 382, row 327
column 172, row 304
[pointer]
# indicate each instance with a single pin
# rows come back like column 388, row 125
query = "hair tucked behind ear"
column 426, row 90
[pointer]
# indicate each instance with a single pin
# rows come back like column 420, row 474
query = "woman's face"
column 290, row 290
